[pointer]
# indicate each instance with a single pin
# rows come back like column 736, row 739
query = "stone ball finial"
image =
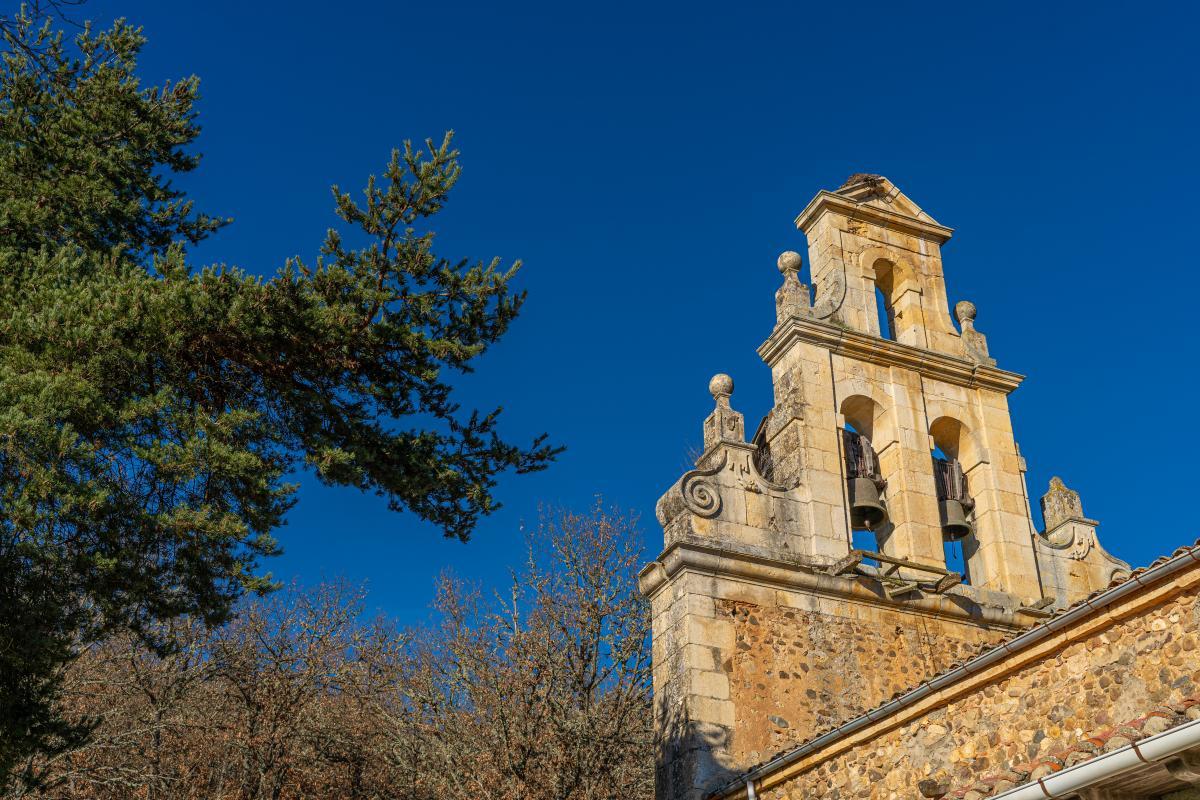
column 721, row 385
column 789, row 261
column 964, row 311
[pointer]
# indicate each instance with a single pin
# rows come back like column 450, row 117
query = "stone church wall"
column 1121, row 674
column 800, row 668
column 767, row 628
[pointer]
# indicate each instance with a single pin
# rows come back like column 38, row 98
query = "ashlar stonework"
column 772, row 629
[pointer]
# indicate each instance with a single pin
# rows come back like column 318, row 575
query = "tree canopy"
column 152, row 411
column 544, row 694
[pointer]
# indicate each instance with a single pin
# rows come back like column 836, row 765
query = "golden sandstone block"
column 770, row 627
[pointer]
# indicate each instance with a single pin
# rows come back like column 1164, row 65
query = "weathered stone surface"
column 1021, row 720
column 821, row 667
column 763, row 636
column 1060, row 504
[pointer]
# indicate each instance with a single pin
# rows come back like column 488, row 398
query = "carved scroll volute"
column 727, row 465
column 831, row 295
column 1084, row 539
column 701, row 493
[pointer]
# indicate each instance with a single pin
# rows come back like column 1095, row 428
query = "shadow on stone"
column 693, row 756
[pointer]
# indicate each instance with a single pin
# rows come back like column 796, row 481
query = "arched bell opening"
column 868, row 509
column 865, row 485
column 883, row 310
column 884, row 293
column 866, row 416
column 956, row 508
column 892, row 292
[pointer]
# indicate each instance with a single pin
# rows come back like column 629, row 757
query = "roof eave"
column 1139, row 579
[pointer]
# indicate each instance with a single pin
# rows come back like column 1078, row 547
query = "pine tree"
column 150, row 411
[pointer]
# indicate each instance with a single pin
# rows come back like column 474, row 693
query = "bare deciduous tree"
column 542, row 694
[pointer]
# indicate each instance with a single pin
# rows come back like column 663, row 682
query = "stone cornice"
column 738, row 562
column 829, row 201
column 872, row 349
column 1067, row 521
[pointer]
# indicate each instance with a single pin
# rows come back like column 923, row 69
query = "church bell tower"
column 890, row 427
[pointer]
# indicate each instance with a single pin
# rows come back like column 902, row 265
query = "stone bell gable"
column 768, row 623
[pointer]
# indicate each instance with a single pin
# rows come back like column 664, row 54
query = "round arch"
column 957, row 441
column 868, row 411
column 891, row 272
column 863, row 415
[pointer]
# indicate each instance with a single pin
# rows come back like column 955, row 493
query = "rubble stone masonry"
column 794, row 672
column 1118, row 666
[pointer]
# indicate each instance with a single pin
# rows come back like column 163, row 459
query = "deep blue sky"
column 646, row 162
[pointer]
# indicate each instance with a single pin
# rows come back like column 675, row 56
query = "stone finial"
column 1060, row 504
column 974, row 342
column 720, row 386
column 723, row 424
column 792, row 298
column 964, row 312
column 789, row 261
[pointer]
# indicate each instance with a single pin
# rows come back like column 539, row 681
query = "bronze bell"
column 866, row 506
column 955, row 524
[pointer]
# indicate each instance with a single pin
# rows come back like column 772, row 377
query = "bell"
column 866, row 507
column 955, row 524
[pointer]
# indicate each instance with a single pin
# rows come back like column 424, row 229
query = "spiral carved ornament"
column 700, row 494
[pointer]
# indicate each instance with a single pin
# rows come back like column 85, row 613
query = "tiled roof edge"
column 1138, row 578
column 1158, row 720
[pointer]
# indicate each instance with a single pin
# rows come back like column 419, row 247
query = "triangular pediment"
column 878, row 192
column 873, row 197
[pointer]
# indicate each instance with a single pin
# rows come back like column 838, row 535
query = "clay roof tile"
column 1098, row 741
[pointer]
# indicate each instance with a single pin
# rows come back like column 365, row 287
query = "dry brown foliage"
column 543, row 694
